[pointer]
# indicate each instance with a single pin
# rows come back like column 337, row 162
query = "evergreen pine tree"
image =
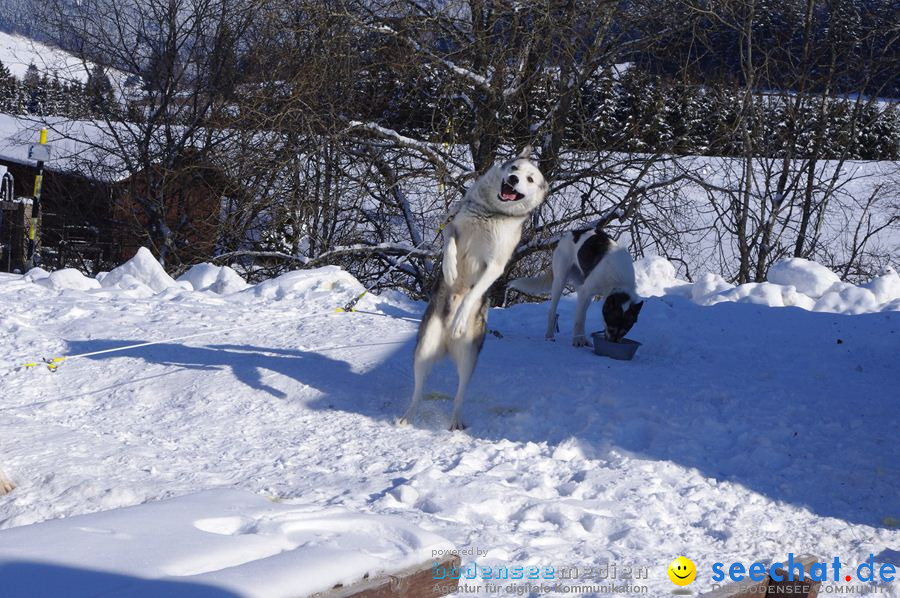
column 33, row 91
column 8, row 90
column 602, row 93
column 98, row 92
column 55, row 100
column 75, row 101
column 637, row 110
column 696, row 119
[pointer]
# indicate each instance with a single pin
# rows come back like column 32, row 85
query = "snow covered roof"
column 80, row 147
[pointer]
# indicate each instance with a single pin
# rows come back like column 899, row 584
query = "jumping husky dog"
column 477, row 246
column 593, row 263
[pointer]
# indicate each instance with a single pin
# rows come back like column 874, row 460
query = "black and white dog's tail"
column 536, row 286
column 6, row 485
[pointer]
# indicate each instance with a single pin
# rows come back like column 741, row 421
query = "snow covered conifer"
column 33, row 91
column 8, row 89
column 98, row 92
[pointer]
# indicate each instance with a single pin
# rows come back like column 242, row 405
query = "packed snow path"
column 739, row 432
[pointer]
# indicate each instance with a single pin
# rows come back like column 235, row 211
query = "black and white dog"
column 477, row 246
column 594, row 264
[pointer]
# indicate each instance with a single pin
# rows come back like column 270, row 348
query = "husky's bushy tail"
column 6, row 485
column 536, row 286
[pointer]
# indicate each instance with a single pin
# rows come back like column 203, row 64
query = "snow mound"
column 885, row 287
column 200, row 275
column 792, row 282
column 327, row 283
column 709, row 284
column 36, row 274
column 655, row 276
column 847, row 299
column 69, row 278
column 761, row 293
column 217, row 279
column 807, row 277
column 141, row 270
column 229, row 540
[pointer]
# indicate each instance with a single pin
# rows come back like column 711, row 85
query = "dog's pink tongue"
column 508, row 196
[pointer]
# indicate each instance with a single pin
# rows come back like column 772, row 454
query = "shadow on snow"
column 789, row 403
column 21, row 579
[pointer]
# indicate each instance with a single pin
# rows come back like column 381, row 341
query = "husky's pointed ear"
column 526, row 152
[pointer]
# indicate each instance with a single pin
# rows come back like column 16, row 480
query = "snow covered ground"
column 740, row 432
column 217, row 543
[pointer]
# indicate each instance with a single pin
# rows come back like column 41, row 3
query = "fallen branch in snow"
column 266, row 254
column 382, row 248
column 324, row 258
column 6, row 485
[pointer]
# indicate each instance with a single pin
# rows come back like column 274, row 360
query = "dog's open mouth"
column 507, row 193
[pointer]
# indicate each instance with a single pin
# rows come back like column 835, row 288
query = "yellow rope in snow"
column 53, row 363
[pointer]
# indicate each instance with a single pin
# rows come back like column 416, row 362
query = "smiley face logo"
column 682, row 571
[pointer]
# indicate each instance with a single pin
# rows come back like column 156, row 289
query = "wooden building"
column 93, row 224
column 76, row 224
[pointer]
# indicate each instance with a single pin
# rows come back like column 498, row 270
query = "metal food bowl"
column 624, row 349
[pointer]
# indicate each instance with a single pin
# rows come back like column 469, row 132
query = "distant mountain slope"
column 18, row 51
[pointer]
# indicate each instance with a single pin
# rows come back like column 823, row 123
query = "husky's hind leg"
column 429, row 348
column 465, row 354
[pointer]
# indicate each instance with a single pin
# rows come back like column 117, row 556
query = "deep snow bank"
column 217, row 279
column 230, row 540
column 140, row 273
column 793, row 282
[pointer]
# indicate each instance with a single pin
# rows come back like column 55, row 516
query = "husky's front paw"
column 580, row 341
column 550, row 337
column 450, row 273
column 458, row 328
